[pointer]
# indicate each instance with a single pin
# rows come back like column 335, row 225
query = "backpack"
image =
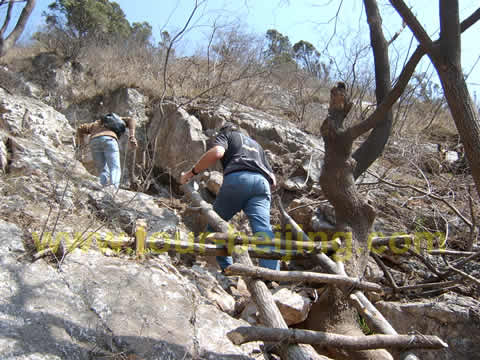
column 113, row 122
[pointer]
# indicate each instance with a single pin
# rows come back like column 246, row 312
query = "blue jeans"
column 106, row 155
column 248, row 191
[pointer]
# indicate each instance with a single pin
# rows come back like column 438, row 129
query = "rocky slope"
column 99, row 300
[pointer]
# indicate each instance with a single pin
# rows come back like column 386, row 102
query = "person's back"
column 104, row 147
column 243, row 153
column 246, row 183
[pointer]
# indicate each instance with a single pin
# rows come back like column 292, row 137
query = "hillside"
column 95, row 297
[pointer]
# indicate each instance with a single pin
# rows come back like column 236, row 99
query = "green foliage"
column 86, row 18
column 141, row 32
column 279, row 48
column 164, row 43
column 363, row 325
column 308, row 58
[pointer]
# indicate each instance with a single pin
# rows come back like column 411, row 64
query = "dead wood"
column 200, row 248
column 387, row 273
column 242, row 335
column 435, row 285
column 451, row 252
column 268, row 310
column 374, row 318
column 294, row 276
column 463, row 274
column 278, row 243
column 322, row 259
column 429, row 194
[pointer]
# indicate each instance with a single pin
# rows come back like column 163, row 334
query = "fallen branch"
column 387, row 273
column 165, row 245
column 464, row 274
column 435, row 285
column 374, row 318
column 242, row 335
column 462, row 262
column 292, row 276
column 268, row 310
column 278, row 243
column 437, row 292
column 428, row 194
column 450, row 252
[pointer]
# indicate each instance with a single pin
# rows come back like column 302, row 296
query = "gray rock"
column 124, row 207
column 98, row 306
column 214, row 182
column 181, row 140
column 453, row 318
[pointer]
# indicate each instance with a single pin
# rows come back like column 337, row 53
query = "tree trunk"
column 448, row 65
column 6, row 44
column 446, row 57
column 354, row 217
column 373, row 146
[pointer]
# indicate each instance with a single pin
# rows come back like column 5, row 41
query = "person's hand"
column 185, row 177
column 133, row 141
column 273, row 185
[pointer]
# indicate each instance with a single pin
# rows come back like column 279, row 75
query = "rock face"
column 293, row 306
column 88, row 305
column 181, row 140
column 97, row 306
column 455, row 319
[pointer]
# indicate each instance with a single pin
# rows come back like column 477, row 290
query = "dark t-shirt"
column 242, row 153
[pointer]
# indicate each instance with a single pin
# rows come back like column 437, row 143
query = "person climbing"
column 104, row 135
column 247, row 182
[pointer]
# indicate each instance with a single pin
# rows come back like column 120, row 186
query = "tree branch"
column 242, row 335
column 19, row 27
column 7, row 18
column 431, row 195
column 403, row 79
column 296, row 276
column 414, row 25
column 402, row 82
column 472, row 19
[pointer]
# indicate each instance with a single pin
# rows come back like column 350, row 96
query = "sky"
column 309, row 20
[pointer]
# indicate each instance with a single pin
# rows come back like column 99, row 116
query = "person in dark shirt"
column 247, row 180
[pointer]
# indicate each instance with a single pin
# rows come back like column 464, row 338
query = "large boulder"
column 180, row 142
column 94, row 306
column 26, row 117
column 269, row 131
column 453, row 318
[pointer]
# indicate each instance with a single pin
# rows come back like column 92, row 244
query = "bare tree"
column 353, row 214
column 445, row 54
column 6, row 43
column 373, row 146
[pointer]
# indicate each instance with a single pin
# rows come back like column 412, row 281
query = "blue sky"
column 298, row 19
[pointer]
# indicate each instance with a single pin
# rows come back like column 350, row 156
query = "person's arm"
column 208, row 159
column 82, row 130
column 269, row 167
column 131, row 124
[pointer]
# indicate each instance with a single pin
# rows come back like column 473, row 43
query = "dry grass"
column 234, row 71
